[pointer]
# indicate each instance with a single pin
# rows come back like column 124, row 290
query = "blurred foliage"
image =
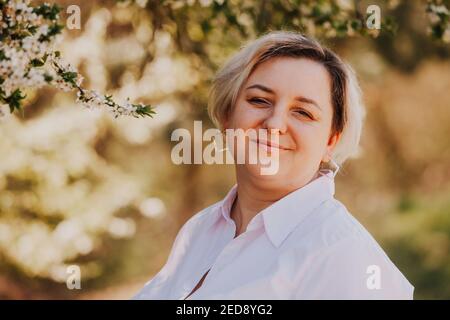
column 82, row 188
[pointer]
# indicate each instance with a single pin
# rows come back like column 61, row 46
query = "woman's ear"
column 332, row 141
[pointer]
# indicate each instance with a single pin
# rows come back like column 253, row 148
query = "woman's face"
column 292, row 97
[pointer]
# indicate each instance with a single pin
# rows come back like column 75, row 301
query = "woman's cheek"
column 306, row 144
column 245, row 117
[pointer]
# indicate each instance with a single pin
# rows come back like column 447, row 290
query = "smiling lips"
column 270, row 144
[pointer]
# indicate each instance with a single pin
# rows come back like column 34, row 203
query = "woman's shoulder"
column 335, row 229
column 348, row 255
column 332, row 223
column 201, row 215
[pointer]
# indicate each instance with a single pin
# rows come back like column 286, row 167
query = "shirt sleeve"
column 153, row 289
column 353, row 268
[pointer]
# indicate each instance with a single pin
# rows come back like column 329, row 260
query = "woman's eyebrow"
column 299, row 98
column 261, row 87
column 308, row 100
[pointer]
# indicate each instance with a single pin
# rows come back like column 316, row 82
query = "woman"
column 284, row 235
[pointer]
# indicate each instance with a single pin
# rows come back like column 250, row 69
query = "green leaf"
column 53, row 30
column 47, row 11
column 48, row 78
column 69, row 76
column 37, row 62
column 2, row 55
column 14, row 100
column 145, row 110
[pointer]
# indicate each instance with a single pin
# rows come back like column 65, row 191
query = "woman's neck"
column 253, row 197
column 248, row 204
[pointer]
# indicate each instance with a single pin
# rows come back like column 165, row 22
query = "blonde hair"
column 348, row 110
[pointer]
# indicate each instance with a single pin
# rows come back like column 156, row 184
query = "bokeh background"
column 79, row 187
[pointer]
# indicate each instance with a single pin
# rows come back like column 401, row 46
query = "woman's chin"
column 264, row 172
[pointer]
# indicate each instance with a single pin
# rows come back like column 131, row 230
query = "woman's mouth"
column 270, row 145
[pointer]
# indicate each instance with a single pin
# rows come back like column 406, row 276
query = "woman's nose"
column 277, row 120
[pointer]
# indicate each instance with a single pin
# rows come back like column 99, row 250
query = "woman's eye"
column 259, row 101
column 304, row 113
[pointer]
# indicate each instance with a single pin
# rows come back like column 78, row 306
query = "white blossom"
column 32, row 62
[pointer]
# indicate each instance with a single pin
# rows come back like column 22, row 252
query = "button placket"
column 227, row 253
column 221, row 261
column 223, row 256
column 211, row 266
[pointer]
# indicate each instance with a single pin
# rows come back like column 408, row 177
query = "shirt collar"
column 281, row 217
column 227, row 203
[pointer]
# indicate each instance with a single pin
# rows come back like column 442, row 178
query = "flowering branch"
column 27, row 60
column 68, row 79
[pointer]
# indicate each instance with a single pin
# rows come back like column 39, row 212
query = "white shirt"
column 304, row 246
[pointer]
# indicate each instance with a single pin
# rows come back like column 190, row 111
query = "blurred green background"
column 79, row 187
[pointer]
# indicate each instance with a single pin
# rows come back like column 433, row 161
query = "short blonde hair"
column 348, row 110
